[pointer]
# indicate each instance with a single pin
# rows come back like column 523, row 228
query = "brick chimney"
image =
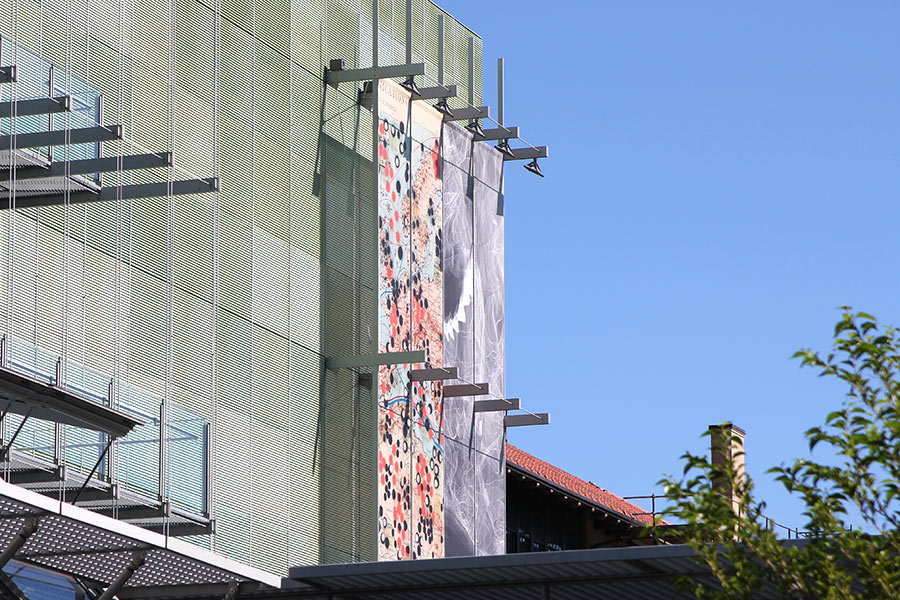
column 727, row 445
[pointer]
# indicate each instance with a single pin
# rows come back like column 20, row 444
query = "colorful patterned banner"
column 410, row 315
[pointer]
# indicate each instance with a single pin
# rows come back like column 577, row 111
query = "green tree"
column 861, row 483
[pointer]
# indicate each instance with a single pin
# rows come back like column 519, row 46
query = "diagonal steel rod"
column 94, row 470
column 6, row 448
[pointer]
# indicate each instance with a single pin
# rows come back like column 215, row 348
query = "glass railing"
column 187, row 436
column 38, row 78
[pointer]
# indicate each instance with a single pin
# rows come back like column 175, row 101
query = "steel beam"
column 333, row 78
column 8, row 74
column 496, row 405
column 425, row 93
column 88, row 495
column 84, row 135
column 374, row 360
column 35, row 106
column 190, row 590
column 526, row 420
column 441, row 48
column 30, row 526
column 501, row 133
column 500, row 91
column 465, row 389
column 471, row 62
column 528, row 153
column 233, row 590
column 92, row 165
column 466, row 114
column 125, row 192
column 409, row 32
column 440, row 91
column 178, row 529
column 38, row 476
column 437, row 374
column 137, row 559
column 136, row 514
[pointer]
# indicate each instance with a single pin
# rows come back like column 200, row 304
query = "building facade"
column 549, row 510
column 208, row 308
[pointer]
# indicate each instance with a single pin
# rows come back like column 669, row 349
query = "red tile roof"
column 577, row 486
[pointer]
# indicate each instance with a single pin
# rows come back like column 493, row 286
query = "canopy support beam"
column 137, row 559
column 440, row 91
column 30, row 526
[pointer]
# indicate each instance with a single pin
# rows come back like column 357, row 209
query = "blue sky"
column 722, row 177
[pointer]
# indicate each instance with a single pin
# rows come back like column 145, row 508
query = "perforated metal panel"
column 98, row 549
column 215, row 304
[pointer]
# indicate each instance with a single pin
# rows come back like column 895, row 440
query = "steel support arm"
column 526, row 420
column 465, row 389
column 30, row 526
column 35, row 106
column 437, row 374
column 501, row 133
column 374, row 360
column 528, row 153
column 137, row 559
column 125, row 192
column 425, row 93
column 469, row 113
column 333, row 78
column 85, row 135
column 441, row 91
column 92, row 165
column 496, row 405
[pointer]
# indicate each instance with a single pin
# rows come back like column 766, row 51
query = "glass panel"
column 83, row 447
column 85, row 113
column 137, row 461
column 37, row 438
column 186, row 435
column 33, row 73
column 137, row 458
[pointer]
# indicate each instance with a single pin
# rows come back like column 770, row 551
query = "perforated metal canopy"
column 609, row 573
column 102, row 552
